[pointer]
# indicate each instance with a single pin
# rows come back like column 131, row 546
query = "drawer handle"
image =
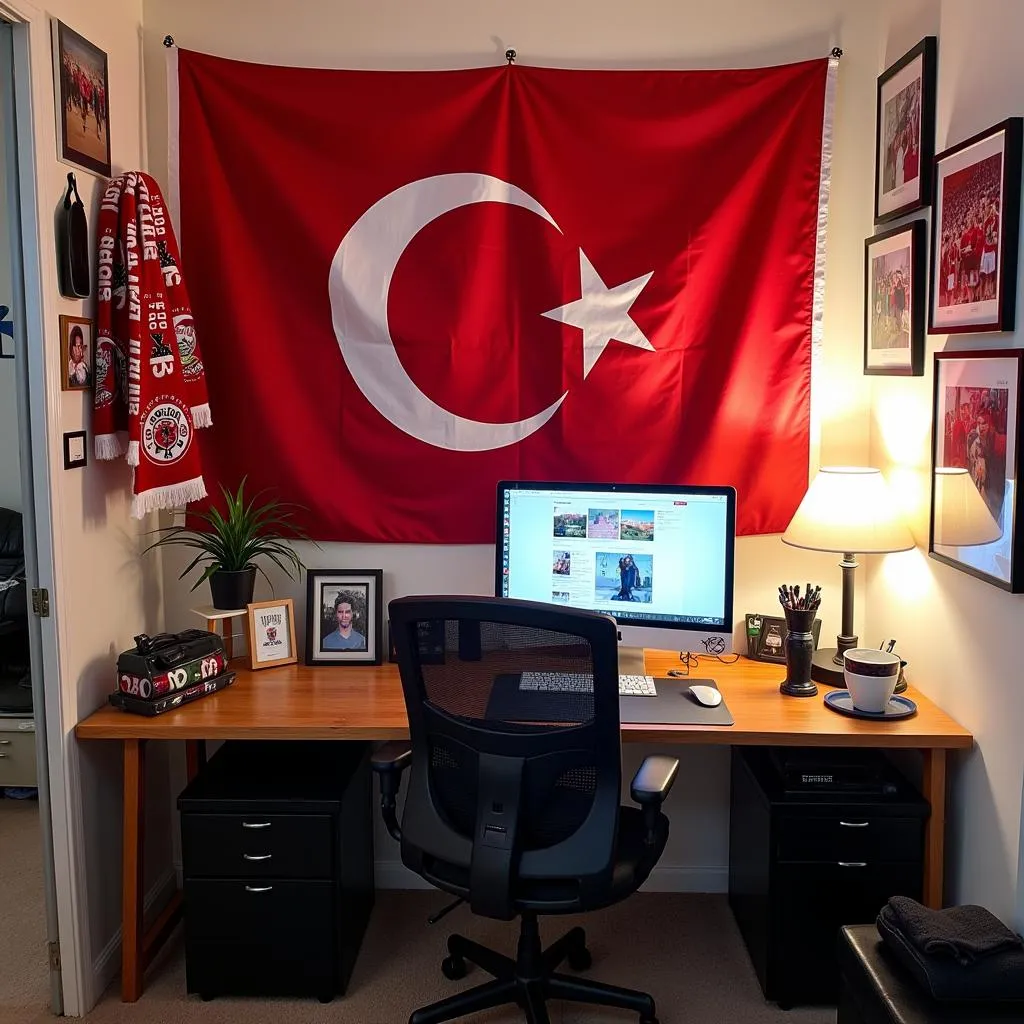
column 5, row 743
column 255, row 824
column 855, row 824
column 258, row 888
column 5, row 755
column 853, row 863
column 256, row 856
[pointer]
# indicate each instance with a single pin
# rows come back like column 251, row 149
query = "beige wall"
column 10, row 465
column 958, row 633
column 598, row 33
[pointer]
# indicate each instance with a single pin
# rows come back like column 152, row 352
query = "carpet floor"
column 24, row 973
column 683, row 949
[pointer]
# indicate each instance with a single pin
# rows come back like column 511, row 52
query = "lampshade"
column 961, row 516
column 848, row 509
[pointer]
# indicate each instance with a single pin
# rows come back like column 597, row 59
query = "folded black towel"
column 965, row 933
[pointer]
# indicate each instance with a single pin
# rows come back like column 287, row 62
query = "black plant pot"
column 232, row 590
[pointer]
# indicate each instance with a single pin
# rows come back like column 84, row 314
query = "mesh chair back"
column 514, row 720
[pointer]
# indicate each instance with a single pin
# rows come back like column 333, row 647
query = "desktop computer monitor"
column 658, row 558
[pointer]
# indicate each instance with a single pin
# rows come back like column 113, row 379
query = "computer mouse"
column 706, row 695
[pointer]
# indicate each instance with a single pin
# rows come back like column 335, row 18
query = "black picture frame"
column 77, row 146
column 981, row 313
column 969, row 388
column 902, row 261
column 69, row 462
column 766, row 637
column 364, row 588
column 917, row 65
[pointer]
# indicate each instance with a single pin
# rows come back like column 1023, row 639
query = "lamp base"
column 825, row 670
column 807, row 689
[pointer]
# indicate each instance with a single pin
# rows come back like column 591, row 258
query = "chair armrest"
column 388, row 763
column 650, row 786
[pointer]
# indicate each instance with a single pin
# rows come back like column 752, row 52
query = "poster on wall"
column 975, row 508
column 894, row 263
column 82, row 97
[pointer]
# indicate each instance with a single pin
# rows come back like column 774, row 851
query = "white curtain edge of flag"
column 173, row 183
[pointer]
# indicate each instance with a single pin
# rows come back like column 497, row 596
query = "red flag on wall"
column 410, row 285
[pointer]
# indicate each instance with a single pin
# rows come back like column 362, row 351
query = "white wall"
column 959, row 634
column 596, row 33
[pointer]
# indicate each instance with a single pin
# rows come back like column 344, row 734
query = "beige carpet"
column 684, row 949
column 24, row 974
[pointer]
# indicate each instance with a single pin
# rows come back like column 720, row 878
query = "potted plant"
column 229, row 544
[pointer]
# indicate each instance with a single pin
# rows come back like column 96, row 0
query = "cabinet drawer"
column 849, row 837
column 257, row 845
column 261, row 936
column 18, row 758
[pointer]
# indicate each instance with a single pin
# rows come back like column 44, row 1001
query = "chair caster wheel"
column 453, row 968
column 206, row 996
column 326, row 998
column 580, row 959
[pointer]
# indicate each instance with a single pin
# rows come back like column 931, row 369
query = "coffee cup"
column 870, row 677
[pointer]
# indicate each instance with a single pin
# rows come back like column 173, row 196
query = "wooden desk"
column 327, row 703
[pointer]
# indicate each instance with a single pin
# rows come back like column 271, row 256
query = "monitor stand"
column 631, row 660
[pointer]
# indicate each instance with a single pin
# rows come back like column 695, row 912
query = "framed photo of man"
column 975, row 223
column 975, row 511
column 894, row 271
column 905, row 133
column 76, row 353
column 344, row 617
column 82, row 93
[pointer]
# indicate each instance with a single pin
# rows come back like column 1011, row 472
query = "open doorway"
column 29, row 985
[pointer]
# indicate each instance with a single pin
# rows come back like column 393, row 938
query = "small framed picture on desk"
column 271, row 629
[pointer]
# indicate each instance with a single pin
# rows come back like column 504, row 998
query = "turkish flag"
column 410, row 285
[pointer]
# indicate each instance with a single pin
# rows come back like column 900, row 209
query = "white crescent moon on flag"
column 359, row 281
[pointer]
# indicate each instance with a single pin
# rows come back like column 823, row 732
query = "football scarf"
column 150, row 391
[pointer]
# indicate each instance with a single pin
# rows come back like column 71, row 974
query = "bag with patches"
column 150, row 390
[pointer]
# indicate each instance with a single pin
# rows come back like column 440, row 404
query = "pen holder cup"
column 799, row 647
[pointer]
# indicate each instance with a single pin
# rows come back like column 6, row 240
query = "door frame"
column 39, row 412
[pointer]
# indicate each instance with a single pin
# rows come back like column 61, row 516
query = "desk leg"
column 934, row 791
column 195, row 757
column 132, row 956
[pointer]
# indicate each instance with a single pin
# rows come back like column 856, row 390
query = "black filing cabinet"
column 802, row 864
column 277, row 854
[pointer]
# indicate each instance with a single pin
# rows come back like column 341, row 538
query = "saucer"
column 898, row 707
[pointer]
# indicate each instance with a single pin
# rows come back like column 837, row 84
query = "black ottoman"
column 877, row 990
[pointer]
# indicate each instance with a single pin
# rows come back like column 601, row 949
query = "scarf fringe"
column 201, row 416
column 170, row 496
column 111, row 446
column 133, row 453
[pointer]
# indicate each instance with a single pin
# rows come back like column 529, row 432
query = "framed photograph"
column 975, row 515
column 975, row 223
column 905, row 133
column 344, row 617
column 82, row 96
column 76, row 353
column 271, row 629
column 766, row 637
column 894, row 269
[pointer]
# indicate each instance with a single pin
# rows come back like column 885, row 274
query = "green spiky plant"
column 231, row 543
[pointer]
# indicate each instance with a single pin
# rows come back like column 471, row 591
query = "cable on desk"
column 691, row 661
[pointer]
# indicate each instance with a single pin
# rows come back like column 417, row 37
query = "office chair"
column 513, row 795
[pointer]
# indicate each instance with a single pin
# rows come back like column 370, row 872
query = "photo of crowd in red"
column 84, row 95
column 968, row 245
column 901, row 138
column 974, row 438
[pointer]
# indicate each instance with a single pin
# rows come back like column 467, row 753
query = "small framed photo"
column 766, row 637
column 76, row 353
column 894, row 269
column 344, row 617
column 905, row 133
column 975, row 222
column 975, row 516
column 82, row 100
column 271, row 629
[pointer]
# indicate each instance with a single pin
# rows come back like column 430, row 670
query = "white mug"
column 870, row 677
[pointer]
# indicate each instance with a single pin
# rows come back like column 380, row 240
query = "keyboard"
column 583, row 682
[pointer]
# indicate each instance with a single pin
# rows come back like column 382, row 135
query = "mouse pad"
column 673, row 705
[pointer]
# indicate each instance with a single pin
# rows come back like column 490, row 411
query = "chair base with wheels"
column 529, row 980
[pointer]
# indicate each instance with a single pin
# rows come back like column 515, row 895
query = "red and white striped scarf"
column 150, row 392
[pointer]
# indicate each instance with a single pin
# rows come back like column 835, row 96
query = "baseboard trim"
column 107, row 965
column 392, row 874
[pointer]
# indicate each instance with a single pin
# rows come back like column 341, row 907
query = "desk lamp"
column 960, row 516
column 846, row 509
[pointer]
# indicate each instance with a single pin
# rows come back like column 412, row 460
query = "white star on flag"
column 602, row 313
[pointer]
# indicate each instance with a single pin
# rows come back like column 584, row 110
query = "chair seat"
column 634, row 859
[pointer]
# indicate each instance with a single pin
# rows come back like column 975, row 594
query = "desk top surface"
column 359, row 703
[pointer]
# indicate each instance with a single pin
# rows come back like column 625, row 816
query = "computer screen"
column 650, row 555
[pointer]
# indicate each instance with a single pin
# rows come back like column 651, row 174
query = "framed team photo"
column 975, row 519
column 344, row 617
column 975, row 224
column 271, row 629
column 894, row 271
column 905, row 133
column 82, row 93
column 76, row 353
